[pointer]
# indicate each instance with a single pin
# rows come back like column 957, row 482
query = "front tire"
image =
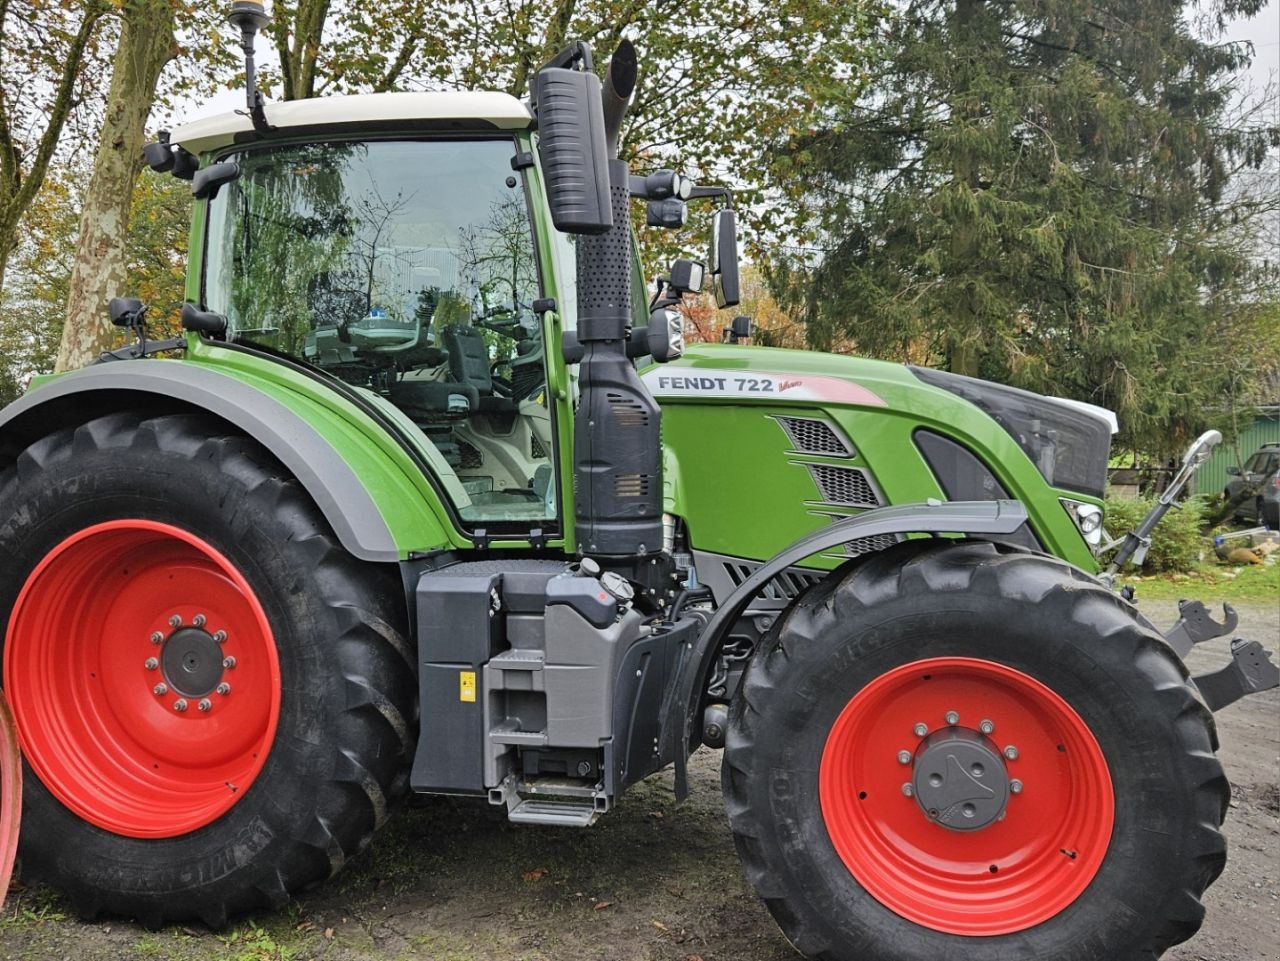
column 215, row 701
column 1093, row 839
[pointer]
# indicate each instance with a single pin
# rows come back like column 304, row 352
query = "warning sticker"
column 758, row 384
column 467, row 686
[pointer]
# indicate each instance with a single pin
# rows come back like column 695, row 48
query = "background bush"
column 1176, row 543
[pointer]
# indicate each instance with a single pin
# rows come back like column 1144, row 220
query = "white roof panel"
column 500, row 110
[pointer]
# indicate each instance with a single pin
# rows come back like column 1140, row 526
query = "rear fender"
column 377, row 511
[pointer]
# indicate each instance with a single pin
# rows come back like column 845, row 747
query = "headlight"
column 1088, row 519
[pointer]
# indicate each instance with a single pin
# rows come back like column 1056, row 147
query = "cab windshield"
column 405, row 268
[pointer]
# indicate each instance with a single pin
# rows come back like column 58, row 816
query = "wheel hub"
column 960, row 780
column 192, row 662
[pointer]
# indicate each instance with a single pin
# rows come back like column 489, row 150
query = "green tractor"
column 431, row 497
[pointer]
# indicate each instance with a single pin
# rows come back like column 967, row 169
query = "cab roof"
column 467, row 111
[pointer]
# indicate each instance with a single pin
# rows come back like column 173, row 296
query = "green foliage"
column 34, row 300
column 1048, row 195
column 1177, row 542
column 720, row 80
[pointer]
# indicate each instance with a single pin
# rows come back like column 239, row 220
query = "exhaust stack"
column 617, row 438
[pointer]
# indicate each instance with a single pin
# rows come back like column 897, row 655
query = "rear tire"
column 169, row 778
column 1101, row 855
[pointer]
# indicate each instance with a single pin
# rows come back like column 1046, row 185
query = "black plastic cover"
column 1070, row 447
column 964, row 477
column 571, row 142
column 457, row 634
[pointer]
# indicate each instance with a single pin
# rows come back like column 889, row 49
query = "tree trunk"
column 146, row 45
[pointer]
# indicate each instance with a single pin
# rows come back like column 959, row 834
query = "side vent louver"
column 788, row 585
column 812, row 436
column 869, row 545
column 631, row 485
column 627, row 411
column 847, row 486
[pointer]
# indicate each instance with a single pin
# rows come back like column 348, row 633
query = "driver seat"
column 469, row 365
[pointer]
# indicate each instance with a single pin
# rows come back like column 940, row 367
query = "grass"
column 1212, row 582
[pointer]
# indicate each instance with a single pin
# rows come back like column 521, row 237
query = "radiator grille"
column 536, row 450
column 809, row 436
column 848, row 486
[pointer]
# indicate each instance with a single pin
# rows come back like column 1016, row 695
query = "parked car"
column 1256, row 487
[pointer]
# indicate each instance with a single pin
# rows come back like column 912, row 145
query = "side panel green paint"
column 742, row 492
column 411, row 507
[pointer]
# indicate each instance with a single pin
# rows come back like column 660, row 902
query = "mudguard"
column 982, row 518
column 369, row 511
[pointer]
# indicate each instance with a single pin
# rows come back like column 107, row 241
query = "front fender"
column 977, row 518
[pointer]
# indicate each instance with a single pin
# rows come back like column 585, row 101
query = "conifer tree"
column 1046, row 193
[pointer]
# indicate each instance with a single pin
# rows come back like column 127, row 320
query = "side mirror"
column 571, row 142
column 126, row 311
column 666, row 334
column 207, row 182
column 739, row 329
column 723, row 263
column 1233, row 470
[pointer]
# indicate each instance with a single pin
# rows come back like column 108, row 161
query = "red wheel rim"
column 1011, row 875
column 108, row 615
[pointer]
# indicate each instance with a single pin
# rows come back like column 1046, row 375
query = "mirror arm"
column 698, row 193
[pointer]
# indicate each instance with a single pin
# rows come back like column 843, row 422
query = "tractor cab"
column 404, row 262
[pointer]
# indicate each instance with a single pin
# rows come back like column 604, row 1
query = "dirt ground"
column 448, row 881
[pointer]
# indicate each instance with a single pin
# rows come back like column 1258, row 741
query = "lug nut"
column 219, row 636
column 151, row 664
column 175, row 621
column 1015, row 786
column 921, row 729
column 224, row 688
column 157, row 638
column 160, row 690
column 904, row 757
column 205, row 704
column 953, row 718
column 987, row 727
column 1011, row 753
column 908, row 790
column 180, row 705
column 228, row 662
column 198, row 620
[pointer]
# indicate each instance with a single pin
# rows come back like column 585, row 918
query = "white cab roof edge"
column 500, row 110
